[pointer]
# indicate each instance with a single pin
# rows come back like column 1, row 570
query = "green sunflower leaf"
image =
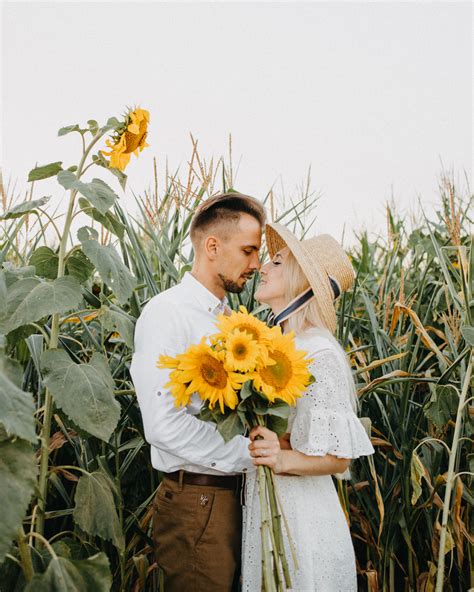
column 120, row 322
column 277, row 424
column 230, row 426
column 93, row 126
column 85, row 392
column 24, row 208
column 98, row 193
column 68, row 129
column 442, row 405
column 94, row 509
column 45, row 171
column 17, row 417
column 83, row 575
column 18, row 470
column 108, row 220
column 46, row 262
column 79, row 266
column 66, row 179
column 108, row 263
column 30, row 300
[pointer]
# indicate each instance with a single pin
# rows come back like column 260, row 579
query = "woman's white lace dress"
column 323, row 422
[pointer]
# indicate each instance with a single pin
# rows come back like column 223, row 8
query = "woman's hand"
column 267, row 450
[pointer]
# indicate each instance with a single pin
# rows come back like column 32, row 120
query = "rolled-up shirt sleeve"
column 169, row 428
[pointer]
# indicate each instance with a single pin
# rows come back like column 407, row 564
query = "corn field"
column 76, row 482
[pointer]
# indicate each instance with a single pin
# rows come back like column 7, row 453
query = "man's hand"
column 265, row 449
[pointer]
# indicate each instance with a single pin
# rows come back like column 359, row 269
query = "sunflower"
column 178, row 388
column 242, row 351
column 286, row 376
column 131, row 139
column 203, row 370
column 243, row 321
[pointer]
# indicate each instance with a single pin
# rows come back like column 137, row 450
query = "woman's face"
column 271, row 289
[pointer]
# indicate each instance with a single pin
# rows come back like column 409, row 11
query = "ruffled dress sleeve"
column 325, row 422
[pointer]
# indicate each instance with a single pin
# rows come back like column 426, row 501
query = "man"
column 197, row 514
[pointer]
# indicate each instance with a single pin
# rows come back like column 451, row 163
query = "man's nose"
column 256, row 264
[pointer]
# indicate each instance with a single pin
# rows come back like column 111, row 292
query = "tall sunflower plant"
column 70, row 266
column 247, row 375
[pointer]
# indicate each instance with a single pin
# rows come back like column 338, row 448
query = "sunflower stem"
column 25, row 555
column 268, row 579
column 277, row 526
column 53, row 343
column 120, row 508
column 275, row 530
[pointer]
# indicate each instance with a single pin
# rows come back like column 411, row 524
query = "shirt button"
column 158, row 393
column 213, row 464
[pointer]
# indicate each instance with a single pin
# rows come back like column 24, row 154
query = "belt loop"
column 242, row 489
column 180, row 480
column 238, row 485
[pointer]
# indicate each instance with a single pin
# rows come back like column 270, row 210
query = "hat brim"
column 278, row 237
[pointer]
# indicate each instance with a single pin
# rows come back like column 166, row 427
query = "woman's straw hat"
column 324, row 262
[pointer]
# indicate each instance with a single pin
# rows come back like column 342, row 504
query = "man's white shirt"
column 169, row 323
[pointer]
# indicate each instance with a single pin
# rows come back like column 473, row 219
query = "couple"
column 198, row 532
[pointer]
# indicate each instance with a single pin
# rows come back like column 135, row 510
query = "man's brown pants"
column 197, row 537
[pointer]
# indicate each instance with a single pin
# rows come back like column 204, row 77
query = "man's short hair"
column 224, row 208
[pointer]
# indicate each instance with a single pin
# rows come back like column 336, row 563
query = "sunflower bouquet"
column 246, row 375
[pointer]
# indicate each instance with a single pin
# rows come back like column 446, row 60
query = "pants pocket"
column 204, row 513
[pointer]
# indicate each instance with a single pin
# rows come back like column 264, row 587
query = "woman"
column 300, row 284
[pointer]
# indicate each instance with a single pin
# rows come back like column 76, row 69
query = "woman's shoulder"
column 315, row 339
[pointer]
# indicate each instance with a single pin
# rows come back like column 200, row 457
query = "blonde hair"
column 308, row 317
column 295, row 283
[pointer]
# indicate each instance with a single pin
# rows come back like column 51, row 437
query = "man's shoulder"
column 171, row 307
column 164, row 302
column 162, row 318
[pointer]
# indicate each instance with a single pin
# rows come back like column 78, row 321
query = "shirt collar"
column 206, row 299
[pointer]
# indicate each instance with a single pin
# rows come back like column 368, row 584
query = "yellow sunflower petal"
column 167, row 362
column 243, row 321
column 178, row 389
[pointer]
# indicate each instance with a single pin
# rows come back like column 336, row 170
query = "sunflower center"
column 278, row 375
column 212, row 371
column 239, row 351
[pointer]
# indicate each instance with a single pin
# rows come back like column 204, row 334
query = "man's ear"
column 211, row 245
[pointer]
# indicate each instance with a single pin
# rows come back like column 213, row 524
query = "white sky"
column 372, row 95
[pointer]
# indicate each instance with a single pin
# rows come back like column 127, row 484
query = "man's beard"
column 231, row 286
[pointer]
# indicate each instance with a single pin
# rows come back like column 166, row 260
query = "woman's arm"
column 291, row 462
